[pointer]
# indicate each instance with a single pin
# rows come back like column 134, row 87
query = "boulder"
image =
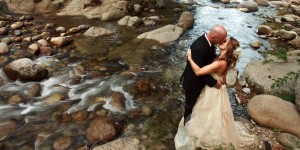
column 164, row 35
column 262, row 3
column 129, row 21
column 25, row 69
column 275, row 113
column 102, row 129
column 126, row 143
column 264, row 29
column 295, row 42
column 286, row 35
column 61, row 40
column 186, row 20
column 3, row 48
column 251, row 6
column 261, row 76
column 97, row 31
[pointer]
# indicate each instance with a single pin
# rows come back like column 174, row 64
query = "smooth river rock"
column 274, row 113
column 25, row 69
column 166, row 34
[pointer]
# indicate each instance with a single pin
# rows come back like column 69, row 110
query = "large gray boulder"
column 295, row 42
column 274, row 113
column 164, row 35
column 126, row 143
column 97, row 31
column 186, row 20
column 251, row 6
column 25, row 69
column 261, row 76
column 107, row 10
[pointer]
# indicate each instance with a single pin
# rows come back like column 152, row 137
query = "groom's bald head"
column 217, row 34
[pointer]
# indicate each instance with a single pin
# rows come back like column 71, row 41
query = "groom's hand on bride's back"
column 219, row 84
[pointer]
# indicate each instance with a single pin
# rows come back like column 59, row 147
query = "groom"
column 203, row 53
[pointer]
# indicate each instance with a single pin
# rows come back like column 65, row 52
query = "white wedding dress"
column 212, row 124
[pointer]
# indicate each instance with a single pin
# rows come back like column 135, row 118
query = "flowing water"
column 155, row 71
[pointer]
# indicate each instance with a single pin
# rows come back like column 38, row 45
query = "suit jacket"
column 203, row 55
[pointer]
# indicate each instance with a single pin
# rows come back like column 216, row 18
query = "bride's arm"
column 208, row 69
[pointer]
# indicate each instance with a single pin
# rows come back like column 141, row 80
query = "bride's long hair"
column 231, row 55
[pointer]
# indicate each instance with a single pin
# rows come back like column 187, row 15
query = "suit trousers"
column 190, row 101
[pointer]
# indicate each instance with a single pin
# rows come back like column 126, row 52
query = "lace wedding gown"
column 212, row 124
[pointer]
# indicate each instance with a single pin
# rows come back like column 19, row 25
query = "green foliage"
column 280, row 53
column 280, row 81
column 287, row 96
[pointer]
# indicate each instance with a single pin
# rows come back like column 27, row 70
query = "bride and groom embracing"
column 208, row 121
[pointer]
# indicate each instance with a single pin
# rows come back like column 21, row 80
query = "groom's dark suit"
column 202, row 54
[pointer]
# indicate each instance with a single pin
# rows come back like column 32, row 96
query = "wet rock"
column 7, row 127
column 16, row 99
column 32, row 89
column 42, row 42
column 251, row 6
column 261, row 76
column 46, row 51
column 129, row 21
column 255, row 45
column 296, row 9
column 3, row 23
column 277, row 113
column 3, row 48
column 97, row 31
column 17, row 25
column 231, row 77
column 17, row 39
column 137, row 8
column 146, row 110
column 21, row 54
column 279, row 3
column 62, row 143
column 102, row 129
column 3, row 60
column 46, row 35
column 83, row 27
column 79, row 116
column 295, row 42
column 3, row 31
column 264, row 29
column 33, row 48
column 297, row 94
column 286, row 35
column 118, row 100
column 288, row 140
column 126, row 143
column 55, row 98
column 166, row 34
column 7, row 40
column 262, row 3
column 186, row 20
column 60, row 29
column 37, row 37
column 242, row 80
column 73, row 30
column 17, row 33
column 25, row 69
column 61, row 41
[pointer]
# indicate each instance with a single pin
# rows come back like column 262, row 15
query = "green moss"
column 287, row 96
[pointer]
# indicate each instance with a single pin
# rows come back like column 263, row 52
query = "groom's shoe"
column 187, row 119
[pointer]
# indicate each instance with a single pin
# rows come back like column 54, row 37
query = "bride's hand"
column 189, row 53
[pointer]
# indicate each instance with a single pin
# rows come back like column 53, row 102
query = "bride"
column 212, row 124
